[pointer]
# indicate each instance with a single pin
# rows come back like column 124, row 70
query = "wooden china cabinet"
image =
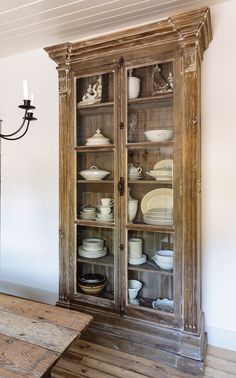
column 164, row 320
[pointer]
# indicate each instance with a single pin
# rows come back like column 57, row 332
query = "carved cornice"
column 190, row 30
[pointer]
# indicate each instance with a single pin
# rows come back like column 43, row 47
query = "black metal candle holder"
column 28, row 117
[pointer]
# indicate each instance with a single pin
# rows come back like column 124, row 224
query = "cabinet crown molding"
column 186, row 30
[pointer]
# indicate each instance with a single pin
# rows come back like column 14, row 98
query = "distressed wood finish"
column 178, row 43
column 33, row 336
column 220, row 363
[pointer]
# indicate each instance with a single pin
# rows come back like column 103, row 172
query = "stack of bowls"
column 92, row 283
column 88, row 213
column 92, row 248
column 164, row 259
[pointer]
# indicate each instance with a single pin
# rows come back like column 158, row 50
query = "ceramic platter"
column 158, row 198
column 166, row 164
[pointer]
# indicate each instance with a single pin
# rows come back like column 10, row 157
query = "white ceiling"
column 31, row 24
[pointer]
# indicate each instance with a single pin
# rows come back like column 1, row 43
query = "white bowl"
column 158, row 135
column 133, row 288
column 93, row 244
column 165, row 252
column 164, row 259
column 164, row 265
column 93, row 173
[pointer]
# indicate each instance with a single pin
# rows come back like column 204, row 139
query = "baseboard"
column 28, row 292
column 221, row 338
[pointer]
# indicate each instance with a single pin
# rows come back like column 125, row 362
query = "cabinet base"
column 167, row 345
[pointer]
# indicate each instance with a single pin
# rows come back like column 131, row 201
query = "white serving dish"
column 159, row 135
column 98, row 139
column 133, row 288
column 160, row 175
column 164, row 304
column 93, row 173
column 138, row 261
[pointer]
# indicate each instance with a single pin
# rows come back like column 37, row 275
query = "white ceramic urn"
column 133, row 86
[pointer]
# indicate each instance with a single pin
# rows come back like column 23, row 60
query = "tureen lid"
column 98, row 138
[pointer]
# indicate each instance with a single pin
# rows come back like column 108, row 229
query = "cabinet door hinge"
column 181, row 188
column 121, row 61
column 120, row 186
column 121, row 125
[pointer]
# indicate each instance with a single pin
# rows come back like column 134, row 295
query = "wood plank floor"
column 85, row 359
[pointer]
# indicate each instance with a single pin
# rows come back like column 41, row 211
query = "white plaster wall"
column 29, row 257
column 29, row 208
column 219, row 178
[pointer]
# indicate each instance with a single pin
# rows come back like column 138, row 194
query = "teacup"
column 105, row 210
column 107, row 201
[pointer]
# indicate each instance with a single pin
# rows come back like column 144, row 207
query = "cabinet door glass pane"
column 149, row 215
column 95, row 187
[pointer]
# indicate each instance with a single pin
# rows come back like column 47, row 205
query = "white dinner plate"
column 158, row 198
column 92, row 254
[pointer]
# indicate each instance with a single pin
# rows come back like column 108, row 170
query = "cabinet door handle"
column 120, row 186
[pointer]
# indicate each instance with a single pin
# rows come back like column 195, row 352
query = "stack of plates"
column 104, row 217
column 159, row 216
column 157, row 207
column 92, row 254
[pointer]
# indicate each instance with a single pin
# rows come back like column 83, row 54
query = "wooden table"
column 34, row 335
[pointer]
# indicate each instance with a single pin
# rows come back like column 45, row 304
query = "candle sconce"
column 28, row 117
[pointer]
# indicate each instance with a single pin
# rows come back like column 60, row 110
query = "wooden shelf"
column 107, row 260
column 87, row 149
column 92, row 182
column 148, row 182
column 98, row 224
column 99, row 107
column 148, row 145
column 149, row 228
column 147, row 267
column 161, row 96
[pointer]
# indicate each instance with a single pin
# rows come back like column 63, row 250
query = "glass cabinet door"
column 150, row 235
column 96, row 211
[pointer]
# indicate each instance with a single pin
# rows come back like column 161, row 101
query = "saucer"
column 138, row 261
column 104, row 219
column 134, row 302
column 135, row 177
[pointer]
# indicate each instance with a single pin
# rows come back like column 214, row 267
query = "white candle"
column 32, row 99
column 25, row 90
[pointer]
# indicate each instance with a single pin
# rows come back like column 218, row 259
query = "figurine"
column 170, row 82
column 159, row 83
column 93, row 94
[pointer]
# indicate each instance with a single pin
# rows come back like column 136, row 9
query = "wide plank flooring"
column 85, row 359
